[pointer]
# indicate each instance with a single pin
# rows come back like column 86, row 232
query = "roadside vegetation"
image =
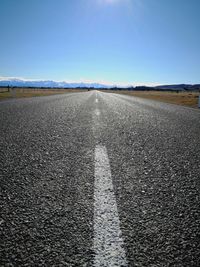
column 33, row 92
column 185, row 98
column 180, row 98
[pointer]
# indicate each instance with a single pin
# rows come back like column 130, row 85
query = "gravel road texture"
column 47, row 163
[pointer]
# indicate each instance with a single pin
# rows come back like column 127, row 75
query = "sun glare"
column 114, row 2
column 109, row 1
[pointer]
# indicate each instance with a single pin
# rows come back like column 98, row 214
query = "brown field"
column 182, row 98
column 30, row 92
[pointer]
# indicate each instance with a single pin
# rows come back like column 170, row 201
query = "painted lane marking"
column 97, row 112
column 108, row 241
column 96, row 100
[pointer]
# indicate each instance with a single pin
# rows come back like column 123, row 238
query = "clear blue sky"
column 118, row 41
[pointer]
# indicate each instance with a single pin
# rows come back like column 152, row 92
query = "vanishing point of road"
column 99, row 179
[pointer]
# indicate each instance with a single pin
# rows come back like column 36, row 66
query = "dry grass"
column 27, row 92
column 182, row 98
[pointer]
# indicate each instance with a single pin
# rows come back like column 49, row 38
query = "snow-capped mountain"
column 47, row 83
column 7, row 81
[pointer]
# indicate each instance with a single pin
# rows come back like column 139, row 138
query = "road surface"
column 98, row 179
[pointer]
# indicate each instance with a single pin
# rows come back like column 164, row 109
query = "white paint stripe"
column 108, row 241
column 96, row 100
column 97, row 112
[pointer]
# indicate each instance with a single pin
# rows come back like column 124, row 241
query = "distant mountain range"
column 54, row 84
column 48, row 83
column 179, row 87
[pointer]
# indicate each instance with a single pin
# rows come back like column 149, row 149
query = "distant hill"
column 189, row 87
column 54, row 84
column 48, row 83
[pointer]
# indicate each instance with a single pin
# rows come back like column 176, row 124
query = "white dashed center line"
column 97, row 112
column 96, row 100
column 108, row 241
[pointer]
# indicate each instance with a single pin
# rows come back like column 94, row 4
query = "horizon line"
column 86, row 81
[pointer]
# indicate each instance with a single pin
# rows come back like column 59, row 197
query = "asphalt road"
column 54, row 153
